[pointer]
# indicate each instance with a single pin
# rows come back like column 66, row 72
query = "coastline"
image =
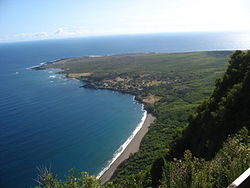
column 118, row 73
column 131, row 145
column 131, row 148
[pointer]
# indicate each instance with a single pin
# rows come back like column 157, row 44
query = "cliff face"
column 224, row 113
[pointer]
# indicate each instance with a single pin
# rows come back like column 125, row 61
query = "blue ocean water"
column 48, row 120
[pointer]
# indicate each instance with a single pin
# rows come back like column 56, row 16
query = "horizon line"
column 118, row 34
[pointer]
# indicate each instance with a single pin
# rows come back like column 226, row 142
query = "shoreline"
column 132, row 147
column 121, row 149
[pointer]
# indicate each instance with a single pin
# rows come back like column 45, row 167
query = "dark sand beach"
column 132, row 147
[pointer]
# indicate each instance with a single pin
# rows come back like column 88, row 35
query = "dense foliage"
column 183, row 150
column 228, row 164
column 225, row 112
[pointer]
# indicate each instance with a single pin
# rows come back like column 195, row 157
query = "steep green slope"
column 225, row 112
column 228, row 164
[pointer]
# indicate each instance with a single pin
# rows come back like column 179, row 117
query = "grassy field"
column 149, row 76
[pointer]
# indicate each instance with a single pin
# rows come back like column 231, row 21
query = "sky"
column 22, row 20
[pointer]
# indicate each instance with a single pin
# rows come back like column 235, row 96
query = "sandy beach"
column 132, row 147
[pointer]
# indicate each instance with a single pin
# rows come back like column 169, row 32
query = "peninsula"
column 170, row 85
column 143, row 74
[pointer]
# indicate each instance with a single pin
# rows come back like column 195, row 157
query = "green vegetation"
column 223, row 169
column 183, row 148
column 228, row 164
column 225, row 112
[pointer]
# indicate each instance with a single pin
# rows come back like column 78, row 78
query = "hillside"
column 226, row 112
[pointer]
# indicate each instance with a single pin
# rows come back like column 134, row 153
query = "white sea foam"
column 52, row 76
column 107, row 55
column 95, row 56
column 32, row 67
column 126, row 143
column 35, row 66
column 43, row 63
column 135, row 102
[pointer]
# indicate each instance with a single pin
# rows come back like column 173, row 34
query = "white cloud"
column 25, row 36
column 31, row 35
column 58, row 33
column 142, row 16
column 70, row 32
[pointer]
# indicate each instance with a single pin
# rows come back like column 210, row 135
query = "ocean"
column 48, row 120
